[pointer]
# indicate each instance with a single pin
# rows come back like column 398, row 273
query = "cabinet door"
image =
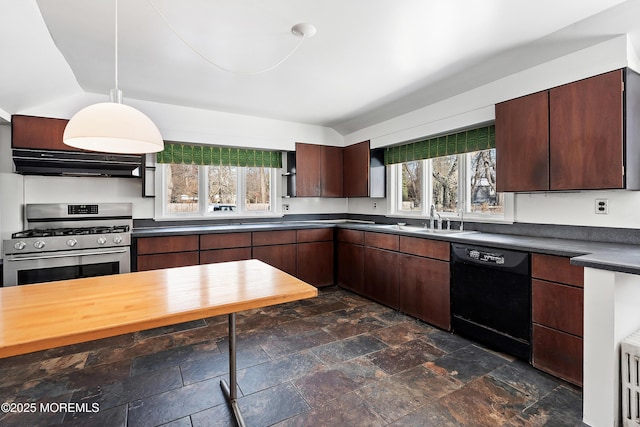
column 282, row 257
column 331, row 171
column 167, row 260
column 356, row 170
column 41, row 133
column 424, row 290
column 522, row 143
column 558, row 353
column 351, row 266
column 586, row 122
column 308, row 170
column 381, row 276
column 315, row 263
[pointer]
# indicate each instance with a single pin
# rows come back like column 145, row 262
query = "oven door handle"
column 30, row 258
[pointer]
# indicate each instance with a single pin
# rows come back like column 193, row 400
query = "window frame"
column 464, row 194
column 203, row 203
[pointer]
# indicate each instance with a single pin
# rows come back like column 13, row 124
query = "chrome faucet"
column 432, row 217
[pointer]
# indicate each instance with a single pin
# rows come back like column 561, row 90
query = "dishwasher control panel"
column 485, row 256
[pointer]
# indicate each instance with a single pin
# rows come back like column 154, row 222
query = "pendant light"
column 113, row 127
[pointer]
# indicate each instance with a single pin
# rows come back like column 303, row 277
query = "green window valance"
column 218, row 156
column 457, row 143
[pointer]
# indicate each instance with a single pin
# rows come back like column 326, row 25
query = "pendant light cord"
column 116, row 93
column 302, row 37
column 116, row 46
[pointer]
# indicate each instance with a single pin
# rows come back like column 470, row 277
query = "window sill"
column 215, row 217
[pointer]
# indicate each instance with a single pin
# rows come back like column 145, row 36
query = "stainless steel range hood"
column 71, row 163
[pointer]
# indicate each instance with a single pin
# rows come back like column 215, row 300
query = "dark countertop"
column 605, row 256
column 228, row 228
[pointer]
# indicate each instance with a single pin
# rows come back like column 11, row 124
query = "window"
column 412, row 179
column 204, row 180
column 223, row 190
column 182, row 188
column 454, row 183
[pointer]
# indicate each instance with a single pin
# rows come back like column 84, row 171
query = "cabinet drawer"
column 382, row 241
column 425, row 247
column 315, row 235
column 227, row 240
column 556, row 269
column 558, row 306
column 165, row 244
column 558, row 353
column 350, row 236
column 169, row 260
column 263, row 238
column 224, row 255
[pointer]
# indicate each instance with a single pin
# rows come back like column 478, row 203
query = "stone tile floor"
column 335, row 360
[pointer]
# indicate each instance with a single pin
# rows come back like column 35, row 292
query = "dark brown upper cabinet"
column 572, row 137
column 38, row 133
column 318, row 170
column 522, row 143
column 356, row 170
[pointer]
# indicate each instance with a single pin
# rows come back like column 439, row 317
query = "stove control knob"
column 72, row 242
column 39, row 244
column 117, row 239
column 102, row 240
column 20, row 245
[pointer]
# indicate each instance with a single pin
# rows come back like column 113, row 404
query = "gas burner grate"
column 67, row 231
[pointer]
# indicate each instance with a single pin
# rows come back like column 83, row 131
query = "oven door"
column 48, row 267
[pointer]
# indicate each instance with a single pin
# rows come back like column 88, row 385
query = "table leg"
column 231, row 392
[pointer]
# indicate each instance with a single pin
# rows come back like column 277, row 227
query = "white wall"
column 176, row 123
column 477, row 106
column 470, row 108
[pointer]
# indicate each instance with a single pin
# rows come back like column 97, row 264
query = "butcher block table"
column 46, row 315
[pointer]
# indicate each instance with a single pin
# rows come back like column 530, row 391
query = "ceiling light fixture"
column 113, row 127
column 302, row 30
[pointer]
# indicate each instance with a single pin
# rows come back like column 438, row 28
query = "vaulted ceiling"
column 370, row 60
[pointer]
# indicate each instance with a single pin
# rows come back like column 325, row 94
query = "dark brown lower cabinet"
column 282, row 257
column 558, row 353
column 557, row 301
column 424, row 290
column 381, row 276
column 351, row 267
column 315, row 263
column 224, row 255
column 166, row 251
column 168, row 260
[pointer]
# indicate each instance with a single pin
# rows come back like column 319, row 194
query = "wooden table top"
column 47, row 315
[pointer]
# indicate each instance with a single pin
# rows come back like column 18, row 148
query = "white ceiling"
column 370, row 60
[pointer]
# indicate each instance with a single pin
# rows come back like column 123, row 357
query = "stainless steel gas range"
column 68, row 241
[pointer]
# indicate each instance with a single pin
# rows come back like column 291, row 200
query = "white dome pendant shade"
column 112, row 127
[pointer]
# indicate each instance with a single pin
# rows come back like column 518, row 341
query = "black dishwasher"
column 491, row 298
